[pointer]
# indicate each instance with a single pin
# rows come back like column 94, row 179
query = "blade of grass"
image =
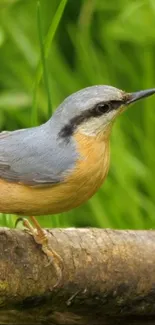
column 43, row 61
column 48, row 41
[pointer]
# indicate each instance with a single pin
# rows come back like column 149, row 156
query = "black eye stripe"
column 116, row 103
column 105, row 107
column 98, row 110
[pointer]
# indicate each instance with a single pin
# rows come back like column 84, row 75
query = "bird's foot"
column 40, row 237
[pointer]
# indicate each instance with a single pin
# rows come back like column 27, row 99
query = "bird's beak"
column 133, row 97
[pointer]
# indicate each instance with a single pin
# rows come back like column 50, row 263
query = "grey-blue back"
column 36, row 156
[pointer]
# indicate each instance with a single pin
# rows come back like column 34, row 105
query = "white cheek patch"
column 95, row 125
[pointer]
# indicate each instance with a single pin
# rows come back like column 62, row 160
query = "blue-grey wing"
column 35, row 156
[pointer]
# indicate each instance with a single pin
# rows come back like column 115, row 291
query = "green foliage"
column 85, row 43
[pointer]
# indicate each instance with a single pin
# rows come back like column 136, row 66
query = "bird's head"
column 92, row 110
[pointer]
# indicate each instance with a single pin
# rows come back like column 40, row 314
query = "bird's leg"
column 40, row 237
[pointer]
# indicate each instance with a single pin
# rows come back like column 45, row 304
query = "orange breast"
column 91, row 171
column 88, row 175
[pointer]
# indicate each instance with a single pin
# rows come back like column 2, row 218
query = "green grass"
column 47, row 54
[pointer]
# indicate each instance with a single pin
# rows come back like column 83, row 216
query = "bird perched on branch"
column 59, row 165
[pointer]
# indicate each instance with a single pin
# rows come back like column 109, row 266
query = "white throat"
column 96, row 125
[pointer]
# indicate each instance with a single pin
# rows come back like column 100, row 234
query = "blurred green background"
column 86, row 42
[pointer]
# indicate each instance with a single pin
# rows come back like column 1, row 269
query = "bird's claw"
column 40, row 237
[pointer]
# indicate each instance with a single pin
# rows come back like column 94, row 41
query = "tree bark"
column 108, row 278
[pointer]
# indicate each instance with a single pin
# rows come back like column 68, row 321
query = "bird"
column 59, row 165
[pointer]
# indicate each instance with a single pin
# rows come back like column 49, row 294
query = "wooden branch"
column 108, row 278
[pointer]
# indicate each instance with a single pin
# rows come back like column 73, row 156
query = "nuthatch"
column 59, row 165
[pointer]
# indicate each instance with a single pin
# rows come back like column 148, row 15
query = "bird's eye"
column 102, row 108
